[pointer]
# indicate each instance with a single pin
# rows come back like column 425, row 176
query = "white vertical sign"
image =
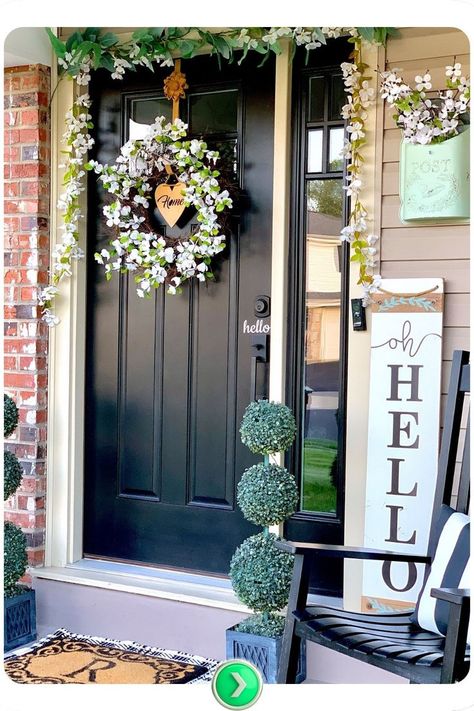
column 403, row 434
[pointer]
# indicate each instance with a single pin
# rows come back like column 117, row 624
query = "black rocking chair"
column 392, row 641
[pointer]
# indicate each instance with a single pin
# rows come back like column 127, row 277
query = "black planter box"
column 19, row 620
column 263, row 652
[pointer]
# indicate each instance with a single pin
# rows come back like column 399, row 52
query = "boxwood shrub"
column 267, row 494
column 12, row 473
column 261, row 574
column 10, row 416
column 267, row 427
column 15, row 559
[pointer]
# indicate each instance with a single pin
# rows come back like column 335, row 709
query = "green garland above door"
column 90, row 49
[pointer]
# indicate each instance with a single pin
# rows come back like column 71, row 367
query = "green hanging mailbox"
column 434, row 180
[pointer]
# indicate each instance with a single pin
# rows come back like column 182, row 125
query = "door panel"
column 168, row 378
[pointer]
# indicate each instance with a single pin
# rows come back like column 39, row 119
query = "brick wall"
column 26, row 250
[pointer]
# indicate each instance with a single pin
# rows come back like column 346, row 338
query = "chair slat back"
column 459, row 387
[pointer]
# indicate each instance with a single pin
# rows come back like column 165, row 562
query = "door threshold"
column 184, row 586
column 143, row 580
column 137, row 564
column 152, row 572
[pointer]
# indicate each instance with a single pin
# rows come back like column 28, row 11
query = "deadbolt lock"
column 262, row 306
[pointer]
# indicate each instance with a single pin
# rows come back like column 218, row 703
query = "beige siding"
column 434, row 250
column 437, row 250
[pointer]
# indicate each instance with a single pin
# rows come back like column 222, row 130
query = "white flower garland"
column 130, row 180
column 79, row 141
column 360, row 97
column 192, row 262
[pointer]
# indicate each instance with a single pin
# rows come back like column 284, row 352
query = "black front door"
column 168, row 379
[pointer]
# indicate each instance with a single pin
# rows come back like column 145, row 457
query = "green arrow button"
column 237, row 684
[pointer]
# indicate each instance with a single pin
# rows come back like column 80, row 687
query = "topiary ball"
column 267, row 494
column 12, row 473
column 267, row 427
column 261, row 574
column 15, row 559
column 10, row 416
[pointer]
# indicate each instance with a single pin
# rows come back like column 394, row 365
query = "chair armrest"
column 452, row 595
column 348, row 552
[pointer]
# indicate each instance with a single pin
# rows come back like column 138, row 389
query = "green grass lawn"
column 319, row 494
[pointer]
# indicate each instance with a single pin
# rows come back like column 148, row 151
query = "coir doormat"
column 67, row 658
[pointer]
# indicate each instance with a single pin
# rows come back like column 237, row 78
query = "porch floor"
column 174, row 624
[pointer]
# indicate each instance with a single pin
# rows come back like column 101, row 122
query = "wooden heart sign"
column 170, row 201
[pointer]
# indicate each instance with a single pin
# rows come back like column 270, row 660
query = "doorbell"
column 358, row 315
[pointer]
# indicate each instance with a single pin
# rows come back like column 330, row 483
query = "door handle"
column 260, row 354
column 253, row 377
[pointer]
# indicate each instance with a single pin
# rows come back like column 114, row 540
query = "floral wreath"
column 162, row 158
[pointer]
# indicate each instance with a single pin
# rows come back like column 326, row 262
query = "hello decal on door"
column 403, row 432
column 257, row 327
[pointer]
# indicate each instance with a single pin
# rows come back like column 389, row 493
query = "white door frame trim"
column 64, row 492
column 64, row 487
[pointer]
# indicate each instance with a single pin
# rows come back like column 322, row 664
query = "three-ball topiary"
column 267, row 495
column 15, row 559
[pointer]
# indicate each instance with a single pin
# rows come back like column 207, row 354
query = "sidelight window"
column 323, row 219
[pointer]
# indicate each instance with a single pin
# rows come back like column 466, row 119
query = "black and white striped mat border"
column 128, row 646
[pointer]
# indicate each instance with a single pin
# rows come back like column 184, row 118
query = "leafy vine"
column 360, row 97
column 92, row 49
